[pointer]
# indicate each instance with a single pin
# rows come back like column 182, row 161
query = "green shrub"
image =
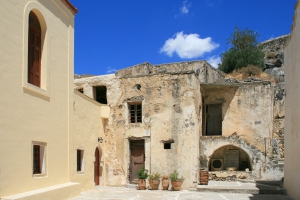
column 142, row 172
column 244, row 51
column 174, row 176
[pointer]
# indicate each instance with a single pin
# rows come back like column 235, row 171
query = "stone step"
column 131, row 186
column 240, row 187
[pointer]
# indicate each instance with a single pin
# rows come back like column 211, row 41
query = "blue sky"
column 115, row 34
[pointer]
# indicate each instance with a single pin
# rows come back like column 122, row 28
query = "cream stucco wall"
column 90, row 119
column 292, row 109
column 30, row 114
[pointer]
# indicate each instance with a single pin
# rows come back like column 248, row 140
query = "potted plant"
column 176, row 181
column 165, row 182
column 142, row 175
column 154, row 180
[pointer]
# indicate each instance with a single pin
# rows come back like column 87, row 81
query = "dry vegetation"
column 250, row 71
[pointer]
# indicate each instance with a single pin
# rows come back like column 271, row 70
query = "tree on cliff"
column 244, row 51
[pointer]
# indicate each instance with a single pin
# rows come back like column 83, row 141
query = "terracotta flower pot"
column 142, row 184
column 154, row 184
column 165, row 184
column 176, row 185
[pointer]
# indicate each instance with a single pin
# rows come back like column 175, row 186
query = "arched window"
column 34, row 50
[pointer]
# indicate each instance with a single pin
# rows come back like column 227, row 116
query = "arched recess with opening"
column 229, row 156
column 97, row 166
column 35, row 51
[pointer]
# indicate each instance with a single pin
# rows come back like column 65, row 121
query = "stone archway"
column 208, row 145
column 229, row 156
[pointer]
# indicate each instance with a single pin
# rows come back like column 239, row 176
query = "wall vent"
column 217, row 164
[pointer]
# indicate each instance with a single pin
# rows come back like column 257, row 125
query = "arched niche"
column 229, row 156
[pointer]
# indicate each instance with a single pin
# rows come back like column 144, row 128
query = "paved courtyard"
column 122, row 193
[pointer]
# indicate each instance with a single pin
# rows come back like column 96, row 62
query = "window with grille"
column 80, row 153
column 135, row 112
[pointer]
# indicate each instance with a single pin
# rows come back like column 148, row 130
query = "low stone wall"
column 229, row 175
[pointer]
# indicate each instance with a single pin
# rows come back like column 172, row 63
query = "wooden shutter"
column 79, row 160
column 36, row 159
column 34, row 50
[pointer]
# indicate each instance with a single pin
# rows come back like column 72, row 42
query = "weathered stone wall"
column 170, row 110
column 246, row 109
column 278, row 122
column 248, row 123
column 110, row 81
column 204, row 71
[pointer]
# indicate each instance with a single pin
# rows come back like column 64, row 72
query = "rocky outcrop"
column 274, row 56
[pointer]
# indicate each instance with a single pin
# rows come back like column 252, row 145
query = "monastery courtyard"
column 216, row 190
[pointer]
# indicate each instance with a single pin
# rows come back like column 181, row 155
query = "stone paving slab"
column 122, row 193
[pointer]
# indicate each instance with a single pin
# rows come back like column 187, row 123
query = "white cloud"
column 188, row 46
column 214, row 61
column 185, row 7
column 110, row 70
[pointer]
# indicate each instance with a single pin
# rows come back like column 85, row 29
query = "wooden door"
column 137, row 158
column 97, row 167
column 214, row 119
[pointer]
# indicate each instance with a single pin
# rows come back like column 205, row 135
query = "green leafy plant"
column 174, row 176
column 142, row 173
column 154, row 176
column 243, row 52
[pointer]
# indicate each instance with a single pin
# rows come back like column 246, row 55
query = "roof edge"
column 70, row 6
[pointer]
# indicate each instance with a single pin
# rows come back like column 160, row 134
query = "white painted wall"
column 292, row 109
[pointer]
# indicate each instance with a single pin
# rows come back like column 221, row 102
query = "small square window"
column 80, row 156
column 100, row 94
column 167, row 145
column 38, row 158
column 135, row 112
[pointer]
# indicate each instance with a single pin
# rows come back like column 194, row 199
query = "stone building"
column 185, row 116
